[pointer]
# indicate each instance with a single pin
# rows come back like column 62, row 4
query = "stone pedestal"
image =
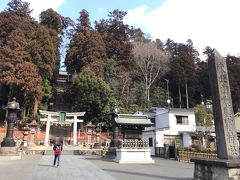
column 8, row 150
column 25, row 134
column 9, row 153
column 32, row 138
column 8, row 142
column 218, row 169
column 97, row 145
column 141, row 156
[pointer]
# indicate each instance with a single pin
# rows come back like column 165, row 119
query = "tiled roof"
column 128, row 119
column 62, row 72
column 181, row 110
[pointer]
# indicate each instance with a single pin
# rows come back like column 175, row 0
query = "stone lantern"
column 25, row 134
column 32, row 127
column 90, row 131
column 12, row 109
column 97, row 145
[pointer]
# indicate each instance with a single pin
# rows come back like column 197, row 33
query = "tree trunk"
column 24, row 112
column 187, row 95
column 180, row 97
column 35, row 109
column 146, row 90
column 148, row 94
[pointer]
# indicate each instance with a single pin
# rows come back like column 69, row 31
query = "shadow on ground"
column 45, row 165
column 98, row 158
column 146, row 175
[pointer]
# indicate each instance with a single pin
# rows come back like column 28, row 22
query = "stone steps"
column 64, row 152
column 77, row 152
column 9, row 157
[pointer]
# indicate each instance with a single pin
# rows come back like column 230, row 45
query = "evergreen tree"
column 19, row 8
column 233, row 65
column 183, row 70
column 86, row 48
column 26, row 48
column 91, row 94
column 52, row 20
column 204, row 116
column 116, row 36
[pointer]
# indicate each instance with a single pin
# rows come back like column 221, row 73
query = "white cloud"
column 39, row 6
column 206, row 22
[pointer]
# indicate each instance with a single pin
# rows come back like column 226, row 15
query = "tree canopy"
column 29, row 52
column 91, row 94
column 86, row 48
column 109, row 61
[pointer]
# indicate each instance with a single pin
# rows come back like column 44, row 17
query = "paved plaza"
column 76, row 167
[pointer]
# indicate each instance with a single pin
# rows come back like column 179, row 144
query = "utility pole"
column 187, row 95
column 168, row 98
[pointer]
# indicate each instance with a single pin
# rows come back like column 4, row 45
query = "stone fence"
column 133, row 144
column 187, row 155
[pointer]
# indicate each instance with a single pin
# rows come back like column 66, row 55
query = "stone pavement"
column 162, row 169
column 71, row 168
column 36, row 167
column 18, row 169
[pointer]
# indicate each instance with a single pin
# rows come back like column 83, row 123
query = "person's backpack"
column 57, row 149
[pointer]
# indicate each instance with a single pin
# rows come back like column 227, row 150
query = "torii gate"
column 49, row 119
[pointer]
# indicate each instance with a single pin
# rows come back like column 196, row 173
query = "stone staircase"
column 64, row 152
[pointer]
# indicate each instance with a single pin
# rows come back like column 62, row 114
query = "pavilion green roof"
column 128, row 119
column 62, row 72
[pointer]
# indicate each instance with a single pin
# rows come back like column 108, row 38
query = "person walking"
column 57, row 152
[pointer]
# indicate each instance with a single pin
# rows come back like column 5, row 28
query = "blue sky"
column 212, row 23
column 97, row 9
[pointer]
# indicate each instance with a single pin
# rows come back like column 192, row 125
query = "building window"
column 150, row 140
column 182, row 120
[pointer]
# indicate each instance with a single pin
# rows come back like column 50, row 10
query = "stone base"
column 8, row 142
column 9, row 157
column 98, row 152
column 218, row 169
column 97, row 146
column 8, row 150
column 111, row 153
column 31, row 145
column 141, row 156
column 9, row 153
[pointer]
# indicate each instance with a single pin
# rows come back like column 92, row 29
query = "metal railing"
column 187, row 155
column 133, row 144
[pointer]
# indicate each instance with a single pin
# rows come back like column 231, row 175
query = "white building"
column 171, row 127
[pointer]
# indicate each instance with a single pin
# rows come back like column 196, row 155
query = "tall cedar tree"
column 116, row 36
column 183, row 69
column 19, row 8
column 86, row 48
column 17, row 71
column 23, row 41
column 233, row 65
column 43, row 51
column 202, row 84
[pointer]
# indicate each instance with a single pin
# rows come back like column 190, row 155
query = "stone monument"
column 227, row 166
